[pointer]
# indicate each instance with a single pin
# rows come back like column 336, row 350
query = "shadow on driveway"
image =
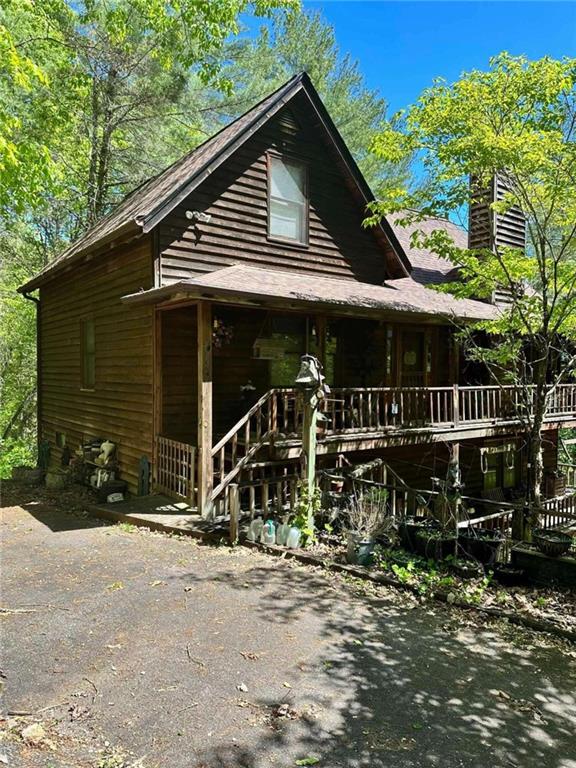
column 186, row 655
column 413, row 687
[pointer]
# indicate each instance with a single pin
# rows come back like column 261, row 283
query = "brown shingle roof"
column 427, row 267
column 141, row 210
column 274, row 288
column 138, row 209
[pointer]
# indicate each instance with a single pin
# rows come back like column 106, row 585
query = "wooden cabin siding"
column 179, row 374
column 120, row 407
column 235, row 196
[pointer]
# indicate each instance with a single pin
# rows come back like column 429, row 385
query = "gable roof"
column 148, row 204
column 275, row 288
column 427, row 267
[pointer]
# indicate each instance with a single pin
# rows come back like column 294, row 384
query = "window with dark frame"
column 500, row 470
column 287, row 200
column 88, row 353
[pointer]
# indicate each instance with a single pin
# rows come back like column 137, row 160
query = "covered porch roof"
column 290, row 290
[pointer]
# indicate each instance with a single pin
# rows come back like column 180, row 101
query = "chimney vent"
column 488, row 229
column 491, row 230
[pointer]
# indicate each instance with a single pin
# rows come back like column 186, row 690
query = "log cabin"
column 175, row 326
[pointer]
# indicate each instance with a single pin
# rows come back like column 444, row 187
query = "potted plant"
column 466, row 569
column 509, row 575
column 551, row 543
column 483, row 544
column 436, row 542
column 409, row 527
column 367, row 520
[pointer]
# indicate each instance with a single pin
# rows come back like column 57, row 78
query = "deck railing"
column 176, row 469
column 232, row 452
column 278, row 415
column 559, row 511
column 372, row 409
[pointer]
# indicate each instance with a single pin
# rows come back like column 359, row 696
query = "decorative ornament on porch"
column 222, row 334
column 311, row 381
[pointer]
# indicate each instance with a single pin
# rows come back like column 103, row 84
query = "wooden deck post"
column 205, row 475
column 456, row 405
column 456, row 481
column 234, row 504
column 321, row 327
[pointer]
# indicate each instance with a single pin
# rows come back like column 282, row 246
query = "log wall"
column 120, row 406
column 235, row 196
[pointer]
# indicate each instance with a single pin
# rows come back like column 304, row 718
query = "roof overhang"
column 256, row 287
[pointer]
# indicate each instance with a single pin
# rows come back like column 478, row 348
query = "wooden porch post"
column 158, row 406
column 321, row 339
column 205, row 478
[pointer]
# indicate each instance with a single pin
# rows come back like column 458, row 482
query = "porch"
column 263, row 449
column 226, row 411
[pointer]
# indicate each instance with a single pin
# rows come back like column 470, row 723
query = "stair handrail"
column 234, row 431
column 242, row 422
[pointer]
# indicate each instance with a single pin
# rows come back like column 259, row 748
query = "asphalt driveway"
column 191, row 656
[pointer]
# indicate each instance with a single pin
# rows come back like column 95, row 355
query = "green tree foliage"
column 99, row 95
column 95, row 96
column 17, row 354
column 305, row 42
column 87, row 89
column 517, row 119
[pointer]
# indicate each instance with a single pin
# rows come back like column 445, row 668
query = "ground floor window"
column 500, row 468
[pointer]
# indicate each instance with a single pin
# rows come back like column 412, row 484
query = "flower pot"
column 435, row 543
column 410, row 526
column 509, row 575
column 56, row 479
column 552, row 543
column 467, row 569
column 360, row 550
column 483, row 544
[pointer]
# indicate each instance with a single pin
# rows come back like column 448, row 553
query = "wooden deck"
column 354, row 419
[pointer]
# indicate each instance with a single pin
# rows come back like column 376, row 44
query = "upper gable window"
column 287, row 200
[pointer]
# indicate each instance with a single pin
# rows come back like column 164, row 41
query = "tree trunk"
column 20, row 411
column 535, row 462
column 94, row 122
column 101, row 140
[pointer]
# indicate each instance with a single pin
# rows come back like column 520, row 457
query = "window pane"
column 491, row 480
column 287, row 181
column 491, row 477
column 509, row 470
column 287, row 220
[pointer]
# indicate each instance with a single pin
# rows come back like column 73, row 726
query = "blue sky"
column 402, row 46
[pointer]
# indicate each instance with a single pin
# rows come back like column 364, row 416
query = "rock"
column 450, row 598
column 34, row 734
column 242, row 687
